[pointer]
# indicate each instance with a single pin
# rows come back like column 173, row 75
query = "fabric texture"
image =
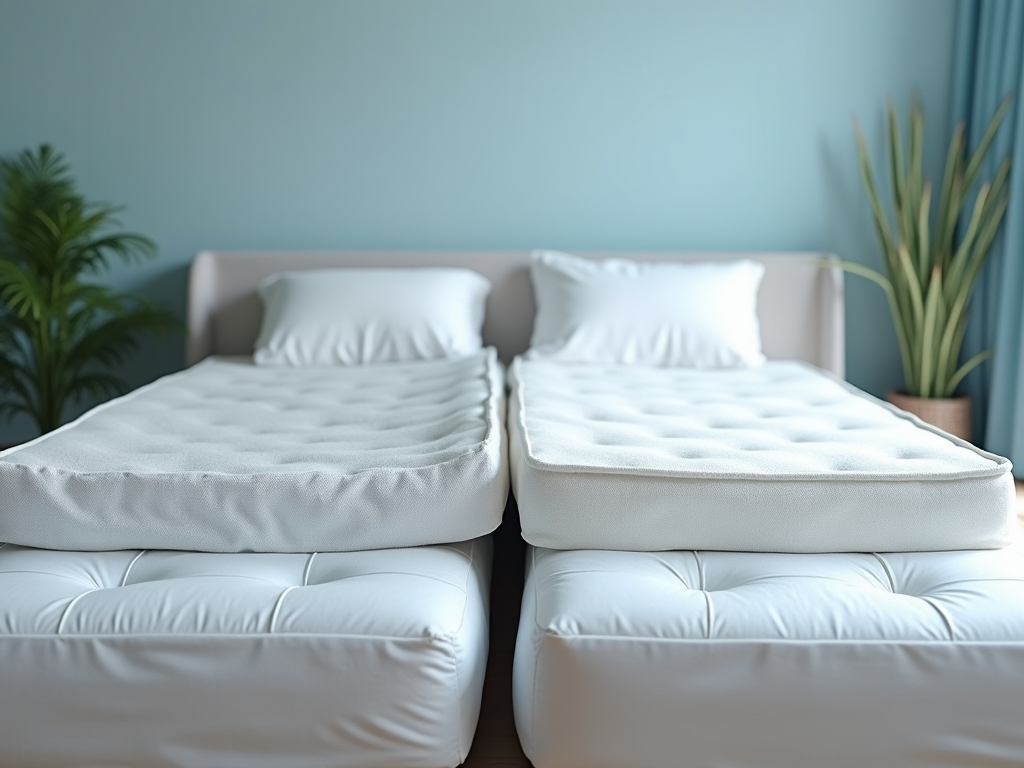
column 228, row 456
column 250, row 660
column 989, row 66
column 701, row 315
column 632, row 660
column 362, row 316
column 781, row 458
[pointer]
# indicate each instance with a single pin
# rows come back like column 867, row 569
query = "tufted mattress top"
column 229, row 456
column 779, row 458
column 242, row 659
column 630, row 659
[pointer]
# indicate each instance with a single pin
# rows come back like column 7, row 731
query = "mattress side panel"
column 765, row 705
column 471, row 643
column 575, row 510
column 281, row 511
column 769, row 660
column 316, row 667
column 250, row 701
column 615, row 506
column 223, row 513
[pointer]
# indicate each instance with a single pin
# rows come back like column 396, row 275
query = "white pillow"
column 698, row 315
column 357, row 316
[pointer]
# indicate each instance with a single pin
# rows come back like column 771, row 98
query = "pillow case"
column 359, row 316
column 672, row 314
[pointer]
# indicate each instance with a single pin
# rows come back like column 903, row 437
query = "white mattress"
column 244, row 660
column 228, row 456
column 750, row 660
column 782, row 458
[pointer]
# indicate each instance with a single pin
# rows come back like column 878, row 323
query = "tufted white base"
column 656, row 660
column 333, row 459
column 242, row 660
column 781, row 458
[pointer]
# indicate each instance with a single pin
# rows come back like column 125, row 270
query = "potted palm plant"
column 931, row 263
column 61, row 331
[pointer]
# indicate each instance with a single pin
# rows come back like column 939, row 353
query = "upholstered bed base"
column 746, row 660
column 146, row 659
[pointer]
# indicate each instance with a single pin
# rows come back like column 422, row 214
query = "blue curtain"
column 989, row 65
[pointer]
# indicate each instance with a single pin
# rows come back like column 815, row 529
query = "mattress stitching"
column 247, row 478
column 899, row 642
column 67, row 610
column 491, row 407
column 206, row 636
column 458, row 693
column 277, row 609
column 465, row 591
column 309, row 566
column 888, row 571
column 710, row 614
column 671, row 569
column 128, row 570
column 946, row 618
column 451, row 639
column 419, row 639
column 1000, row 464
column 537, row 635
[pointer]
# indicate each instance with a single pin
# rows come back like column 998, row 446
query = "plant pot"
column 950, row 414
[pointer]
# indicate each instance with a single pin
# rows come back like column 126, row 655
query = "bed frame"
column 800, row 303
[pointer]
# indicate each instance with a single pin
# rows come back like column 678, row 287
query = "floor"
column 496, row 744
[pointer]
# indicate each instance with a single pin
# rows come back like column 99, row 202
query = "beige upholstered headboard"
column 800, row 304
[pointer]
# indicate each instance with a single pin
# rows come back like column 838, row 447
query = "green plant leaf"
column 883, row 282
column 980, row 152
column 868, row 179
column 62, row 333
column 928, row 332
column 929, row 276
column 925, row 256
column 963, row 370
column 896, row 173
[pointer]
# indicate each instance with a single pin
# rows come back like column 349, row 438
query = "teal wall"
column 474, row 123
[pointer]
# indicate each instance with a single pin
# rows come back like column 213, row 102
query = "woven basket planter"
column 950, row 414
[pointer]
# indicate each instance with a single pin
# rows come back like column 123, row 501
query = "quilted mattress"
column 156, row 658
column 781, row 458
column 756, row 660
column 228, row 456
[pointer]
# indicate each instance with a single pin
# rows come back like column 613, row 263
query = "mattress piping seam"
column 309, row 566
column 710, row 611
column 671, row 568
column 536, row 623
column 458, row 695
column 128, row 570
column 272, row 628
column 206, row 636
column 67, row 609
column 761, row 641
column 465, row 590
column 946, row 618
column 888, row 571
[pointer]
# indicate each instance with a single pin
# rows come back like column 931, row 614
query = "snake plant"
column 61, row 331
column 931, row 264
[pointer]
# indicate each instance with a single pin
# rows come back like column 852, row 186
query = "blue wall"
column 475, row 123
